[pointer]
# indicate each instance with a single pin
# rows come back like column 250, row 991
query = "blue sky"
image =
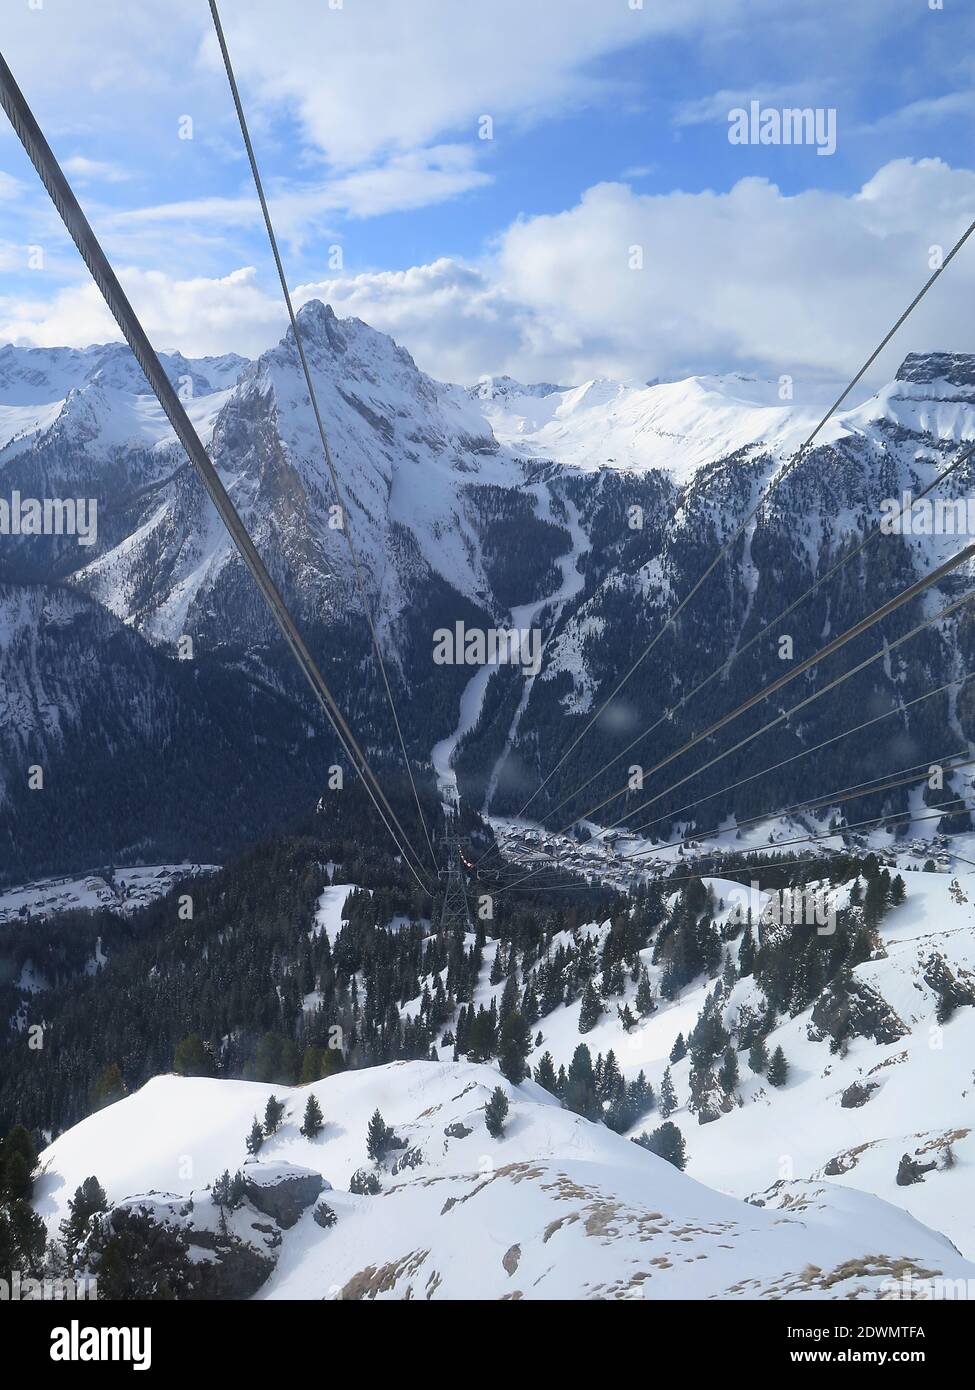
column 610, row 130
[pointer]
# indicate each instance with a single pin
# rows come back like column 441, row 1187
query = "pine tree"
column 221, row 1189
column 88, row 1201
column 192, row 1058
column 496, row 1112
column 18, row 1163
column 778, row 1068
column 945, row 1008
column 108, row 1088
column 313, row 1123
column 640, row 1096
column 513, row 1048
column 758, row 1056
column 611, row 1077
column 364, row 1183
column 668, row 1096
column 377, row 1137
column 746, row 954
column 545, row 1074
column 728, row 1073
column 256, row 1137
column 313, row 1065
column 729, row 974
column 481, row 1037
column 23, row 1238
column 645, row 1002
column 580, row 1094
column 667, row 1142
column 510, row 999
column 498, row 968
column 272, row 1115
column 590, row 1010
column 679, row 1049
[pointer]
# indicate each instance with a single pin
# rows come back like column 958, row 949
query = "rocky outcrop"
column 282, row 1190
column 857, row 1094
column 849, row 1008
column 952, row 992
column 909, row 1171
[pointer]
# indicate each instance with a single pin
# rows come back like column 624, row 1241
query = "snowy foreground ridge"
column 557, row 1208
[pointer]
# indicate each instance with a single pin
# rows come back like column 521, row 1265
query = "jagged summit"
column 492, row 388
column 956, row 368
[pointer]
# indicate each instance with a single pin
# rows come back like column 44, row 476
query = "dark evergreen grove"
column 247, row 988
column 223, row 994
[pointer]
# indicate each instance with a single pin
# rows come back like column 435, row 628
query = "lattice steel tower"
column 455, row 912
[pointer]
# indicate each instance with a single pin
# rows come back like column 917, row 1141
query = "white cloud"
column 402, row 183
column 714, row 109
column 366, row 80
column 200, row 316
column 456, row 323
column 84, row 170
column 750, row 279
column 923, row 114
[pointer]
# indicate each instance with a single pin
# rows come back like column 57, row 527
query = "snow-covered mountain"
column 557, row 1207
column 584, row 511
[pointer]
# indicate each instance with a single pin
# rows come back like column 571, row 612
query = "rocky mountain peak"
column 922, row 368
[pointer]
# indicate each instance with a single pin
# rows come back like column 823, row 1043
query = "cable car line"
column 52, row 176
column 787, row 713
column 753, row 513
column 313, row 398
column 739, row 651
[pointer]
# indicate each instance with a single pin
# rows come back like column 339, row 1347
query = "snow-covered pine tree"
column 377, row 1137
column 545, row 1074
column 778, row 1068
column 590, row 1009
column 496, row 1112
column 273, row 1112
column 314, row 1122
column 668, row 1096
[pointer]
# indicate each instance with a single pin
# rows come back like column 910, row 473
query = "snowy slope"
column 558, row 1208
column 97, row 398
column 925, row 1096
column 676, row 426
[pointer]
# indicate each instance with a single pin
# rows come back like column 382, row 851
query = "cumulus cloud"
column 753, row 279
column 750, row 279
column 200, row 316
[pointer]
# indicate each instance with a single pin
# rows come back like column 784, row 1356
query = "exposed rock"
column 235, row 1268
column 849, row 1008
column 857, row 1094
column 282, row 1190
column 909, row 1171
column 952, row 992
column 458, row 1130
column 412, row 1158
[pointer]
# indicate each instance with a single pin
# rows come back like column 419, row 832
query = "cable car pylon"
column 455, row 913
